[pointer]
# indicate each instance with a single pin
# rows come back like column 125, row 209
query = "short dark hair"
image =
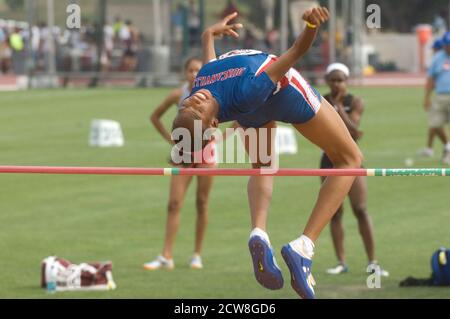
column 186, row 119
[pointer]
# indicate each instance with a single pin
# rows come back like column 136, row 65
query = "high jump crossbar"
column 223, row 171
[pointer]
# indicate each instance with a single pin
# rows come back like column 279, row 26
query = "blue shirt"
column 245, row 93
column 440, row 72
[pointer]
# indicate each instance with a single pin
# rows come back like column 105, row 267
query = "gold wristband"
column 310, row 25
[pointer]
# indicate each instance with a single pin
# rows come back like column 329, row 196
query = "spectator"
column 35, row 43
column 2, row 35
column 124, row 34
column 271, row 39
column 16, row 40
column 177, row 24
column 117, row 26
column 229, row 9
column 130, row 37
column 249, row 39
column 5, row 52
column 16, row 43
column 108, row 39
column 428, row 151
column 439, row 81
column 439, row 24
column 193, row 24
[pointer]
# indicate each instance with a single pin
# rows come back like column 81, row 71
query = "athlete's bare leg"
column 178, row 188
column 358, row 200
column 328, row 131
column 204, row 185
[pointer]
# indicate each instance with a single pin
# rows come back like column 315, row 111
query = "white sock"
column 447, row 147
column 304, row 246
column 260, row 233
column 164, row 259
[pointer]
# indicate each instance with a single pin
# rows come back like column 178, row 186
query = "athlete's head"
column 191, row 68
column 336, row 77
column 446, row 41
column 438, row 45
column 198, row 116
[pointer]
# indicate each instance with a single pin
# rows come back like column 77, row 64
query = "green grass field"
column 84, row 218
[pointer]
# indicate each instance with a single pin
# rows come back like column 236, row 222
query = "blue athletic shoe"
column 300, row 267
column 267, row 272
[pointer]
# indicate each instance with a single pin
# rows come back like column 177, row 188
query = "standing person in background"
column 177, row 27
column 271, row 40
column 17, row 45
column 428, row 151
column 118, row 24
column 440, row 23
column 439, row 111
column 350, row 109
column 108, row 42
column 230, row 9
column 130, row 37
column 180, row 184
column 5, row 52
column 193, row 24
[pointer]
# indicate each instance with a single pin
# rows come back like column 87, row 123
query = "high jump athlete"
column 256, row 89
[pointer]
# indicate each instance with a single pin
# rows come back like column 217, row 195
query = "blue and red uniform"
column 247, row 95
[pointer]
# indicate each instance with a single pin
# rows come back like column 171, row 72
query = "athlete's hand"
column 222, row 28
column 316, row 16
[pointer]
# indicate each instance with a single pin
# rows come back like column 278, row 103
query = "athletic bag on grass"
column 440, row 275
column 440, row 264
column 58, row 274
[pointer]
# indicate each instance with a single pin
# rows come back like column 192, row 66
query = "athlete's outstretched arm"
column 217, row 31
column 314, row 18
